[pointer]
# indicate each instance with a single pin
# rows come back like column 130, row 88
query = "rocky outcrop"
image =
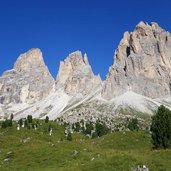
column 142, row 63
column 29, row 81
column 75, row 76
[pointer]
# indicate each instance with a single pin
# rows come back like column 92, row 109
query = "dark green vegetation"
column 93, row 129
column 30, row 149
column 133, row 124
column 161, row 128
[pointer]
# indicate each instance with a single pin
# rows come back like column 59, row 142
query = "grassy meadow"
column 34, row 150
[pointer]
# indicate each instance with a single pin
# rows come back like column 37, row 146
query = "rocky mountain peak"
column 142, row 63
column 145, row 29
column 29, row 60
column 141, row 24
column 30, row 80
column 76, row 59
column 153, row 25
column 76, row 76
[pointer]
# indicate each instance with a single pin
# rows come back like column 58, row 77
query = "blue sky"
column 59, row 27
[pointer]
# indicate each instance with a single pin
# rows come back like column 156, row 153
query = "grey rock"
column 29, row 81
column 76, row 76
column 142, row 63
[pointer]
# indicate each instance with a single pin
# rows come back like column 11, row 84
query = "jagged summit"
column 142, row 63
column 146, row 25
column 29, row 60
column 76, row 59
column 141, row 24
column 76, row 76
column 145, row 29
column 30, row 80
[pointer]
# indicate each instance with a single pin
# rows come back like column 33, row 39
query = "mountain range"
column 137, row 83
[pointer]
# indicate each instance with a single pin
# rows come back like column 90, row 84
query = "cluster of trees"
column 28, row 122
column 97, row 129
column 7, row 122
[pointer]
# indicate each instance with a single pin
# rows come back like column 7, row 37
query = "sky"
column 60, row 27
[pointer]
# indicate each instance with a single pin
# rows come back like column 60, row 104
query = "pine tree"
column 46, row 119
column 161, row 128
column 29, row 118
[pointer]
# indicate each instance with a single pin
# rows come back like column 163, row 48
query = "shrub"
column 77, row 124
column 133, row 124
column 69, row 137
column 89, row 128
column 101, row 128
column 6, row 123
column 94, row 135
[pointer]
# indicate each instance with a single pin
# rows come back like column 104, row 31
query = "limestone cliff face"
column 29, row 81
column 142, row 63
column 76, row 76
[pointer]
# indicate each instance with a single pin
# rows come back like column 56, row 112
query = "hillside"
column 33, row 150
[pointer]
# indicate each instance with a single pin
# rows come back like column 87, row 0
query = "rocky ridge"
column 75, row 81
column 140, row 73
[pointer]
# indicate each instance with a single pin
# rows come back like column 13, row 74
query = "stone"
column 30, row 81
column 76, row 76
column 142, row 63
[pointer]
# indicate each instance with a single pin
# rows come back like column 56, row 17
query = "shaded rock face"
column 76, row 76
column 29, row 81
column 142, row 63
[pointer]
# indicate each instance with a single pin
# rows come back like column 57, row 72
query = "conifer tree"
column 161, row 128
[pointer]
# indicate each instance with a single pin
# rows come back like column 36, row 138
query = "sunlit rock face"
column 30, row 80
column 142, row 63
column 76, row 76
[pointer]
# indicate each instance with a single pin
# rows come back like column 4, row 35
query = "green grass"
column 119, row 151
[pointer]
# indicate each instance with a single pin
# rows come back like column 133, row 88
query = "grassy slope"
column 117, row 151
